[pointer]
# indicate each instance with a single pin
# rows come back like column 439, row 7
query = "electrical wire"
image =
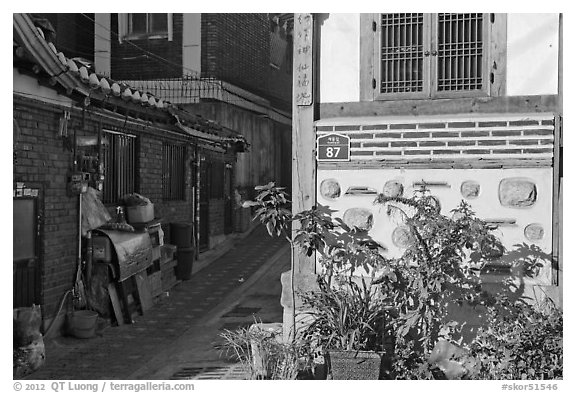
column 193, row 73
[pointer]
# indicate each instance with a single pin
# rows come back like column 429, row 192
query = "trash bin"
column 185, row 257
column 181, row 234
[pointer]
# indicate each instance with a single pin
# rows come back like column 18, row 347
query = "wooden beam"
column 498, row 42
column 557, row 179
column 305, row 95
column 367, row 51
column 513, row 104
column 556, row 200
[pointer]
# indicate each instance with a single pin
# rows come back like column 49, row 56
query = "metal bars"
column 402, row 53
column 429, row 55
column 119, row 160
column 173, row 178
column 460, row 52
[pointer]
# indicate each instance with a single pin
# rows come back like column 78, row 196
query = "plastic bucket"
column 185, row 257
column 83, row 323
column 181, row 234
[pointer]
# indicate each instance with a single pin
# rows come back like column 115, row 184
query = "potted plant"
column 348, row 323
column 347, row 316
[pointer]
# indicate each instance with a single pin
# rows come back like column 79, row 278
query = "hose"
column 68, row 292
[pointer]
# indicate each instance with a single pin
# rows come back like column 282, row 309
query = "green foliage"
column 273, row 209
column 520, row 341
column 263, row 356
column 409, row 299
column 435, row 269
column 347, row 315
column 342, row 249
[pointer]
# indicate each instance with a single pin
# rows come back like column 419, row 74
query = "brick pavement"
column 121, row 351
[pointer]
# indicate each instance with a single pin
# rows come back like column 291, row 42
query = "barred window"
column 119, row 154
column 431, row 55
column 173, row 171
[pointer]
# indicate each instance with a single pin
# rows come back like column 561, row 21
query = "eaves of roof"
column 75, row 77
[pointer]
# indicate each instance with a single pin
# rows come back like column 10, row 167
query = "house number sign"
column 303, row 58
column 333, row 147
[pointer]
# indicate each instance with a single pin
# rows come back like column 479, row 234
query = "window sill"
column 136, row 37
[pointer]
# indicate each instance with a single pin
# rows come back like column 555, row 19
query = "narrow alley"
column 176, row 338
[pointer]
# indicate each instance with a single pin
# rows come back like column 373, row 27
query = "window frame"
column 494, row 51
column 125, row 30
column 174, row 190
column 118, row 177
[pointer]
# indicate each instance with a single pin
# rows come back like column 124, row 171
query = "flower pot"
column 355, row 365
column 83, row 323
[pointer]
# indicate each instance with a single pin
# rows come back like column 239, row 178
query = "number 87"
column 332, row 152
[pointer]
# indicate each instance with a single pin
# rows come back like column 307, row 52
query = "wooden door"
column 26, row 255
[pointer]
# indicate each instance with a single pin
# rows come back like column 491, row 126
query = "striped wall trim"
column 502, row 137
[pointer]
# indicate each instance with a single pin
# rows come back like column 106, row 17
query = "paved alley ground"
column 176, row 338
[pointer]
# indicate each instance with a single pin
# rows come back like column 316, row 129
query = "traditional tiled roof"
column 30, row 44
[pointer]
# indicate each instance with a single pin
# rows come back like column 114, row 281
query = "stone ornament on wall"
column 330, row 189
column 358, row 217
column 517, row 192
column 470, row 189
column 534, row 232
column 393, row 189
column 401, row 236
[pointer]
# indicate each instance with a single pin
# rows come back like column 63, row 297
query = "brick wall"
column 236, row 48
column 132, row 62
column 43, row 159
column 502, row 136
column 216, row 214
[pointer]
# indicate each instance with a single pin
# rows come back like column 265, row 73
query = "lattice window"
column 460, row 52
column 402, row 53
column 431, row 55
column 119, row 154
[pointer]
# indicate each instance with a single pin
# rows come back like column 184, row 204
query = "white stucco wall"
column 191, row 43
column 29, row 87
column 339, row 58
column 532, row 67
column 532, row 63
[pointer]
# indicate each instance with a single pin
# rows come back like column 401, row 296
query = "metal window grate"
column 119, row 161
column 460, row 52
column 402, row 53
column 173, row 184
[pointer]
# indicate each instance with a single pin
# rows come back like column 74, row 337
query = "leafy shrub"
column 263, row 356
column 521, row 341
column 347, row 316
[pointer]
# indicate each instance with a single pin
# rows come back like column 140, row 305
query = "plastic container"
column 83, row 323
column 185, row 258
column 140, row 214
column 181, row 234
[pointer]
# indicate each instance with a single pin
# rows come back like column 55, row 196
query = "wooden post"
column 557, row 191
column 305, row 110
column 305, row 95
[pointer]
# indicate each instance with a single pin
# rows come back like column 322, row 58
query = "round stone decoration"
column 517, row 192
column 470, row 189
column 401, row 236
column 358, row 217
column 330, row 189
column 393, row 189
column 534, row 232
